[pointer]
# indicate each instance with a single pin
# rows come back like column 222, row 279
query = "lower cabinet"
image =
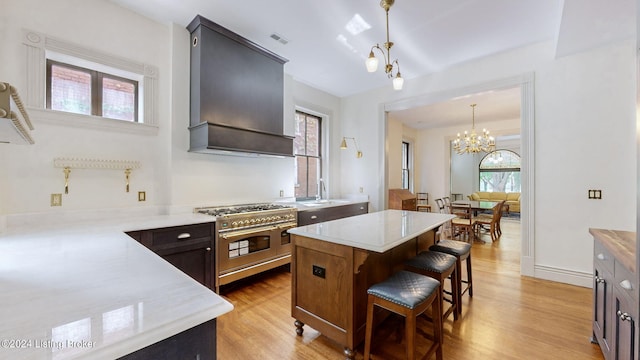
column 190, row 248
column 313, row 216
column 615, row 311
column 196, row 343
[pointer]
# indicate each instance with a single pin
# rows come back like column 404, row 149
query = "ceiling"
column 429, row 36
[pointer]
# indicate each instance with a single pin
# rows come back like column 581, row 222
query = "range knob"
column 234, row 224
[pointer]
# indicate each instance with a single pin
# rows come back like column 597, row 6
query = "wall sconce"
column 343, row 146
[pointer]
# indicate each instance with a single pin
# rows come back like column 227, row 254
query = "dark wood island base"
column 330, row 282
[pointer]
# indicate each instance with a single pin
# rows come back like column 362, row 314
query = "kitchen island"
column 89, row 291
column 335, row 262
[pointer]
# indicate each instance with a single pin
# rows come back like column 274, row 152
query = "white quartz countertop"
column 89, row 291
column 377, row 231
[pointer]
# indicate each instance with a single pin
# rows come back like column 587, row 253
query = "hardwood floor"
column 509, row 316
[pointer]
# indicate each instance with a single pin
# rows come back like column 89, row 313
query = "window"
column 128, row 88
column 80, row 90
column 306, row 149
column 500, row 171
column 405, row 165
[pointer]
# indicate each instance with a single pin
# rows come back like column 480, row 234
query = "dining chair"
column 422, row 202
column 493, row 221
column 441, row 207
column 463, row 223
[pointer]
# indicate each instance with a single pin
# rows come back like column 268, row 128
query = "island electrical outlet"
column 319, row 271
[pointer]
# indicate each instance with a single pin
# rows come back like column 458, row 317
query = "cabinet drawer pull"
column 601, row 256
column 184, row 236
column 626, row 284
column 600, row 280
column 361, row 207
column 624, row 316
column 313, row 217
column 208, row 249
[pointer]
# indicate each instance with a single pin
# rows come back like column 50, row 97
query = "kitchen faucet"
column 321, row 189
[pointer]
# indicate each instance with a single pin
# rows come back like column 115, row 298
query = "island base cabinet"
column 625, row 327
column 330, row 282
column 615, row 312
column 198, row 342
column 602, row 299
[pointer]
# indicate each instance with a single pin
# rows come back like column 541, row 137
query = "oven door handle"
column 287, row 226
column 246, row 232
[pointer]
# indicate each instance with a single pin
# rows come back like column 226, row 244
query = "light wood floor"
column 509, row 316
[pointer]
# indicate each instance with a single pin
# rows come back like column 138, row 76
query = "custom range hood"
column 237, row 94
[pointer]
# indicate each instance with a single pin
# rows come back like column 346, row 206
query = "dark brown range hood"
column 237, row 94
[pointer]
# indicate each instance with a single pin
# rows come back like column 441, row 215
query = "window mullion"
column 96, row 93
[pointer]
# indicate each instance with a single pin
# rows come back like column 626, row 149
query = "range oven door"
column 243, row 248
column 284, row 238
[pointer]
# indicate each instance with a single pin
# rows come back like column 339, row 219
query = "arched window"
column 500, row 171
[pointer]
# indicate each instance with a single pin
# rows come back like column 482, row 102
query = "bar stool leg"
column 469, row 279
column 369, row 328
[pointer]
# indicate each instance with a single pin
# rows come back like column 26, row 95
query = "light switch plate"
column 56, row 199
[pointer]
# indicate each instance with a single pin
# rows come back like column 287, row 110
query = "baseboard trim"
column 577, row 278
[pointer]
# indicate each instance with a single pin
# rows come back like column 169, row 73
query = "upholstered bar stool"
column 441, row 267
column 408, row 294
column 462, row 252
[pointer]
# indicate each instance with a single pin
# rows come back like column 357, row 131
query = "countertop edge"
column 158, row 334
column 621, row 244
column 303, row 231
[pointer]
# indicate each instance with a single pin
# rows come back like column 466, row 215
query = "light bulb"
column 372, row 62
column 398, row 81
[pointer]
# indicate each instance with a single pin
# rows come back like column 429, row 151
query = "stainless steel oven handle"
column 233, row 234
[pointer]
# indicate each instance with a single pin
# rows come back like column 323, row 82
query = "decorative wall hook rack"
column 75, row 163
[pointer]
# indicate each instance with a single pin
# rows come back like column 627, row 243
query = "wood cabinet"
column 313, row 216
column 189, row 248
column 198, row 342
column 330, row 282
column 615, row 301
column 402, row 199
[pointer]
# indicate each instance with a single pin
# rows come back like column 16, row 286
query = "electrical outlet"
column 56, row 199
column 281, row 193
column 319, row 271
column 361, row 189
column 142, row 196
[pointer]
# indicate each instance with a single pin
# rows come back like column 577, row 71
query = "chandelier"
column 474, row 143
column 372, row 61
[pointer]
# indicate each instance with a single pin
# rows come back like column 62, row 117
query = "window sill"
column 61, row 118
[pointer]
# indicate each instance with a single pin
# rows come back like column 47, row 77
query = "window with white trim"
column 122, row 89
column 406, row 180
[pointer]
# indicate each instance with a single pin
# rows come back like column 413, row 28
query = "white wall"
column 584, row 139
column 27, row 171
column 174, row 179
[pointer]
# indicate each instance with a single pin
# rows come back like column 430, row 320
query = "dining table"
column 476, row 205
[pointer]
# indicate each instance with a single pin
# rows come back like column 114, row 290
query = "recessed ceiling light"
column 357, row 25
column 279, row 39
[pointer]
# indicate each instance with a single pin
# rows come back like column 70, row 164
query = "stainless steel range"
column 250, row 238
